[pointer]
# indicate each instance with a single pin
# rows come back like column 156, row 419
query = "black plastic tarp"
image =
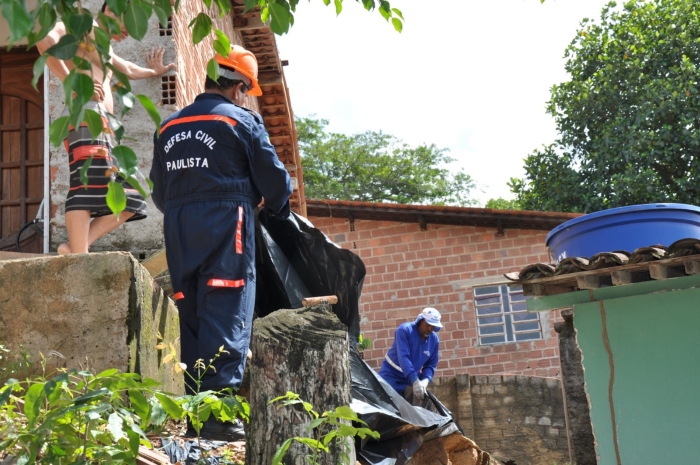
column 296, row 260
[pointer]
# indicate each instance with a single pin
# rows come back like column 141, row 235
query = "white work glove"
column 425, row 382
column 418, row 389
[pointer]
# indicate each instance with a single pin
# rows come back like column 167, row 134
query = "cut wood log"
column 304, row 351
column 326, row 299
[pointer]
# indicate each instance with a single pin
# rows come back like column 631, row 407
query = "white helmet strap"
column 235, row 76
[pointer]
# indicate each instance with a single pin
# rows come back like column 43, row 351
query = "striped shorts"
column 93, row 197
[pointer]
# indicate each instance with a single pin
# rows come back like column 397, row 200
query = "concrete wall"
column 640, row 357
column 138, row 236
column 91, row 311
column 408, row 269
column 518, row 418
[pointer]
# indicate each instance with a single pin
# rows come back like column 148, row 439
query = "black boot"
column 215, row 430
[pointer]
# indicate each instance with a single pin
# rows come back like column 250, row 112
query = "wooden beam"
column 151, row 457
column 569, row 278
column 247, row 22
column 280, row 106
column 538, row 290
column 156, row 263
column 270, row 78
column 692, row 267
column 571, row 299
column 661, row 271
column 621, row 277
column 595, row 281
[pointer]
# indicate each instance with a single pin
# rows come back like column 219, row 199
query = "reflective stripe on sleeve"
column 226, row 282
column 194, row 119
column 386, row 357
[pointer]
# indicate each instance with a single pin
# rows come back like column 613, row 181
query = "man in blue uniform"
column 212, row 165
column 413, row 356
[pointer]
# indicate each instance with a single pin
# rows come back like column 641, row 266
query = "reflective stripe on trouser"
column 217, row 286
column 208, row 321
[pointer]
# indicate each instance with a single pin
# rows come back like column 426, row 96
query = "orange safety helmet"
column 243, row 61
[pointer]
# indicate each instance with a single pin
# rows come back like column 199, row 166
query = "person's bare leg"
column 78, row 227
column 95, row 229
column 106, row 224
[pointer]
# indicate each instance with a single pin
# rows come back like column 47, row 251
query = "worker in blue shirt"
column 413, row 356
column 213, row 164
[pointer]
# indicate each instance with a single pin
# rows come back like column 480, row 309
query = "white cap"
column 431, row 316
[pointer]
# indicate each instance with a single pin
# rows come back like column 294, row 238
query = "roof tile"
column 605, row 268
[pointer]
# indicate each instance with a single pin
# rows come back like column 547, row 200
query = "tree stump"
column 304, row 351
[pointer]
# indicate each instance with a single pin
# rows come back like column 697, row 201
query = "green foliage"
column 280, row 13
column 197, row 408
column 75, row 417
column 332, row 427
column 78, row 417
column 377, row 167
column 628, row 118
column 503, row 204
column 363, row 343
column 13, row 366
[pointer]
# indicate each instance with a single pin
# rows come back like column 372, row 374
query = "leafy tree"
column 628, row 118
column 502, row 204
column 34, row 24
column 377, row 167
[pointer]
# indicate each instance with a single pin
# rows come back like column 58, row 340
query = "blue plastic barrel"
column 624, row 228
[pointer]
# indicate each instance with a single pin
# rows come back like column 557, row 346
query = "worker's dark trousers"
column 210, row 248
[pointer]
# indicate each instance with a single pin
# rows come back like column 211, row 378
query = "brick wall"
column 409, row 269
column 519, row 418
column 192, row 59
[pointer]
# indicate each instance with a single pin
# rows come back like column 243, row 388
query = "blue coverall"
column 412, row 358
column 212, row 163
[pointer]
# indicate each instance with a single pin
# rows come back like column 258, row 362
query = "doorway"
column 22, row 140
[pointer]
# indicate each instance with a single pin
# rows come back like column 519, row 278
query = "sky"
column 472, row 76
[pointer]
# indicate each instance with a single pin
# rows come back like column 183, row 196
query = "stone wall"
column 90, row 311
column 577, row 405
column 408, row 269
column 519, row 418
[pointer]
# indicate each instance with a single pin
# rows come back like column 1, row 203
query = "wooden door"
column 21, row 150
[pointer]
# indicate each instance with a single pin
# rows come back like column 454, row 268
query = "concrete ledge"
column 92, row 311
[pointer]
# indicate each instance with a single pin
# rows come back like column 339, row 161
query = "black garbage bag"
column 190, row 452
column 295, row 260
